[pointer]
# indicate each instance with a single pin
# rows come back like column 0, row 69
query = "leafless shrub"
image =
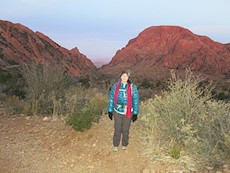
column 44, row 87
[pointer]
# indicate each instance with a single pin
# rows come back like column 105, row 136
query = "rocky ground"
column 38, row 145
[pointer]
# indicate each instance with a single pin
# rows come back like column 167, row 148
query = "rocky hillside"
column 158, row 49
column 20, row 45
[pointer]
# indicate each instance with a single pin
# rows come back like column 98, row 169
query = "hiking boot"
column 115, row 149
column 124, row 148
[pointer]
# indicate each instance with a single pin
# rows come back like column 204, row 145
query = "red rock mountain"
column 20, row 45
column 158, row 49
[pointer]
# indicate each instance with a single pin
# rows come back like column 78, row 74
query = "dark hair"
column 126, row 72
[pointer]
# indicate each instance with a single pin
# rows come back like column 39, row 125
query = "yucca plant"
column 174, row 150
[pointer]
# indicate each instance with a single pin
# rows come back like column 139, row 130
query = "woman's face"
column 124, row 78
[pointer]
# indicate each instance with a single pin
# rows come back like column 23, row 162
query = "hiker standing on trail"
column 124, row 107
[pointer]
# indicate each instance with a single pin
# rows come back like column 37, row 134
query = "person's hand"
column 134, row 118
column 111, row 115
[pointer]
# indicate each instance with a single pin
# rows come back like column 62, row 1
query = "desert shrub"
column 145, row 94
column 97, row 106
column 221, row 90
column 11, row 82
column 4, row 75
column 26, row 110
column 103, row 85
column 84, row 81
column 2, row 98
column 93, row 110
column 44, row 87
column 11, row 100
column 80, row 120
column 222, row 96
column 54, row 92
column 74, row 100
column 12, row 103
column 148, row 87
column 186, row 114
column 158, row 83
column 146, row 83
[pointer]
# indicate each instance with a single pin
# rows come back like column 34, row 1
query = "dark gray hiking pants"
column 121, row 126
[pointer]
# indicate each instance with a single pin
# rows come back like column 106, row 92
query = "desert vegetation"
column 185, row 121
column 53, row 93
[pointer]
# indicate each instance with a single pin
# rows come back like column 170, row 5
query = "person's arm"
column 111, row 99
column 135, row 101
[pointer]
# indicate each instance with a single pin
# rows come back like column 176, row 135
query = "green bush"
column 80, row 120
column 187, row 114
column 92, row 112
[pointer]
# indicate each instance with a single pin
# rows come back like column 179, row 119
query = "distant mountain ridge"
column 153, row 53
column 100, row 61
column 158, row 49
column 20, row 45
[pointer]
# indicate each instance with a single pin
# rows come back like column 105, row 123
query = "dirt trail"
column 35, row 145
column 32, row 145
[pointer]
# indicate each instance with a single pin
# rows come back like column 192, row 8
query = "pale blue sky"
column 100, row 27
